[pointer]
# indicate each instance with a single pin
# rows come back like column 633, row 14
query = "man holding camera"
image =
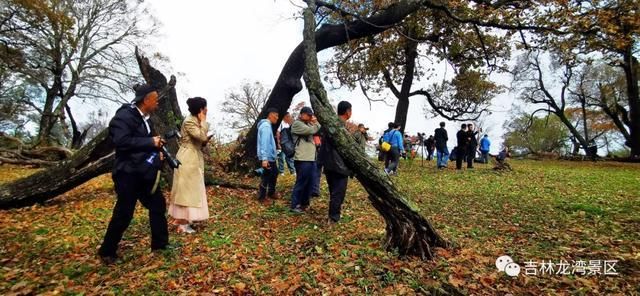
column 136, row 172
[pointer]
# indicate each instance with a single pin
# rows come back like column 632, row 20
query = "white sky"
column 215, row 45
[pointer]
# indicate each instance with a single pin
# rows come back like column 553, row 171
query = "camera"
column 174, row 163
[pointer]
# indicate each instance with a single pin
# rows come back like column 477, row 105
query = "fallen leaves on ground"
column 541, row 211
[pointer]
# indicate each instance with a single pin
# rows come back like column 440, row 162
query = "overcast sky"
column 215, row 45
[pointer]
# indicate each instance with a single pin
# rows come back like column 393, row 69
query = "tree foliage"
column 531, row 134
column 71, row 49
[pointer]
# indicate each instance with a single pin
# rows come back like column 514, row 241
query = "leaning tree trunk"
column 97, row 157
column 406, row 230
column 288, row 83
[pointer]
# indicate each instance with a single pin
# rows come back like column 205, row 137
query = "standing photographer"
column 188, row 193
column 136, row 173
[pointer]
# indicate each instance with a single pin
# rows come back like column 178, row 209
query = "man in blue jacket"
column 136, row 173
column 485, row 145
column 394, row 137
column 267, row 155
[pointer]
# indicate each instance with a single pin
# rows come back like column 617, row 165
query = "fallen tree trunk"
column 289, row 84
column 406, row 230
column 94, row 159
column 97, row 157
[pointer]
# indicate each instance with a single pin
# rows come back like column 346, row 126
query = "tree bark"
column 97, row 156
column 406, row 230
column 402, row 110
column 77, row 137
column 576, row 134
column 614, row 115
column 630, row 65
column 288, row 83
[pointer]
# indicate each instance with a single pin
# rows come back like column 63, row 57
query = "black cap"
column 272, row 110
column 307, row 110
column 142, row 90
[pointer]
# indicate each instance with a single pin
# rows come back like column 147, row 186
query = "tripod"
column 421, row 139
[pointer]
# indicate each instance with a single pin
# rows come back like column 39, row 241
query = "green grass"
column 547, row 210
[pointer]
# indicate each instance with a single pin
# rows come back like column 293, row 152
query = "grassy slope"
column 541, row 211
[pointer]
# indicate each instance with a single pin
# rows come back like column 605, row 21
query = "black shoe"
column 166, row 247
column 108, row 260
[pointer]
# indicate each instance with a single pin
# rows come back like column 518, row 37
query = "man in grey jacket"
column 303, row 130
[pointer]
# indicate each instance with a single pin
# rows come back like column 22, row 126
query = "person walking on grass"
column 188, row 200
column 440, row 137
column 136, row 173
column 335, row 170
column 267, row 156
column 303, row 130
column 394, row 137
column 463, row 142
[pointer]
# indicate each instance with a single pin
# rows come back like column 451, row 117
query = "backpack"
column 286, row 142
column 386, row 146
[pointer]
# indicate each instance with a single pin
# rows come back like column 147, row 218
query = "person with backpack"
column 394, row 139
column 267, row 155
column 304, row 158
column 285, row 132
column 440, row 137
column 382, row 155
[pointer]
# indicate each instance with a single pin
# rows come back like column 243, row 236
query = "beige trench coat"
column 188, row 180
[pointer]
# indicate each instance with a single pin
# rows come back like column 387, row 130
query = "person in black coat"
column 335, row 169
column 463, row 142
column 431, row 145
column 472, row 145
column 440, row 137
column 136, row 173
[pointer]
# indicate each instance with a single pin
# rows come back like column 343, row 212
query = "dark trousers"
column 315, row 188
column 305, row 171
column 129, row 189
column 337, row 190
column 430, row 151
column 394, row 159
column 268, row 181
column 459, row 159
column 471, row 155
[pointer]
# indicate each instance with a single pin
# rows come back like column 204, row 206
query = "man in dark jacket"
column 430, row 144
column 463, row 142
column 136, row 172
column 335, row 169
column 441, row 138
column 472, row 145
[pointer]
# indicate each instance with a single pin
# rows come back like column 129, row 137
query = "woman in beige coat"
column 188, row 194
